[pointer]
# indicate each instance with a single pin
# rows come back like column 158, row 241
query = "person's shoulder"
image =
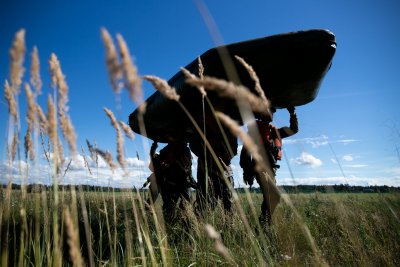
column 163, row 151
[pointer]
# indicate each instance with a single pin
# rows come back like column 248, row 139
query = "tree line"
column 340, row 188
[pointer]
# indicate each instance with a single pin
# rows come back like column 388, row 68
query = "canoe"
column 290, row 67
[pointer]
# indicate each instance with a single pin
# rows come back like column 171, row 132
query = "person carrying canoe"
column 271, row 140
column 172, row 176
column 214, row 174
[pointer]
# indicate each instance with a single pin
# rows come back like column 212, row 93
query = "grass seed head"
column 107, row 158
column 253, row 76
column 127, row 130
column 12, row 151
column 35, row 79
column 85, row 161
column 92, row 151
column 17, row 54
column 58, row 79
column 189, row 75
column 28, row 144
column 42, row 117
column 120, row 139
column 163, row 87
column 10, row 98
column 132, row 80
column 31, row 113
column 68, row 131
column 113, row 65
column 248, row 142
column 233, row 91
column 201, row 68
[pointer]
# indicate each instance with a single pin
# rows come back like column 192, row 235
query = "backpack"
column 271, row 139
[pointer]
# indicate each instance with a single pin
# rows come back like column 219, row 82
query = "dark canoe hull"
column 290, row 67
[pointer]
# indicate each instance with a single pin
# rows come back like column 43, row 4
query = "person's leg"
column 170, row 200
column 201, row 189
column 227, row 194
column 221, row 189
column 153, row 188
column 271, row 196
column 185, row 196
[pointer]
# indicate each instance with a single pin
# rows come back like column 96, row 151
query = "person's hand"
column 154, row 145
column 248, row 179
column 291, row 110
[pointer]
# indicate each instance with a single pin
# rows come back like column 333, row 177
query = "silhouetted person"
column 213, row 173
column 152, row 180
column 271, row 140
column 173, row 175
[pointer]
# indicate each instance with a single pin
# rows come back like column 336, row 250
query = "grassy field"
column 116, row 230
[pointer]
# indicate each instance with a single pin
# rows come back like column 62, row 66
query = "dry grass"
column 253, row 76
column 127, row 130
column 120, row 139
column 35, row 79
column 28, row 144
column 133, row 83
column 248, row 142
column 17, row 56
column 51, row 129
column 233, row 91
column 219, row 246
column 12, row 104
column 112, row 63
column 163, row 87
column 107, row 158
column 60, row 83
column 72, row 239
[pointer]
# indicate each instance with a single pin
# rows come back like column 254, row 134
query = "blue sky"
column 349, row 134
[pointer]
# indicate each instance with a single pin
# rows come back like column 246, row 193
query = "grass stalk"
column 88, row 233
column 139, row 235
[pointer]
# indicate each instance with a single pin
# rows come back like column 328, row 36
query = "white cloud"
column 22, row 172
column 356, row 165
column 335, row 180
column 348, row 157
column 77, row 173
column 138, row 172
column 346, row 141
column 318, row 141
column 313, row 141
column 135, row 162
column 77, row 163
column 309, row 160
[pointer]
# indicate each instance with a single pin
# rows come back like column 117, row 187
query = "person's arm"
column 244, row 158
column 153, row 150
column 293, row 127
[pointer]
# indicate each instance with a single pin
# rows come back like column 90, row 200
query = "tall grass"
column 74, row 227
column 365, row 234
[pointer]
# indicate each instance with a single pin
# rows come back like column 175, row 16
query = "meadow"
column 71, row 227
column 345, row 229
